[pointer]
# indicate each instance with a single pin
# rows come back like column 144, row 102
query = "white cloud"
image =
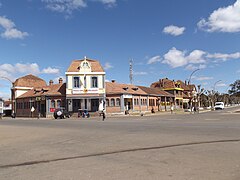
column 109, row 3
column 140, row 73
column 10, row 31
column 174, row 30
column 154, row 60
column 50, row 70
column 68, row 6
column 224, row 57
column 226, row 19
column 13, row 71
column 192, row 67
column 27, row 68
column 203, row 78
column 107, row 66
column 221, row 85
column 196, row 57
column 175, row 58
column 5, row 95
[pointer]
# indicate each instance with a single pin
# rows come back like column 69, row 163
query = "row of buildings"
column 85, row 88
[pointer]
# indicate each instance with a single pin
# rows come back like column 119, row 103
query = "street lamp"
column 189, row 81
column 216, row 84
column 214, row 93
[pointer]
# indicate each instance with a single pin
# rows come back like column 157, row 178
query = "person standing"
column 171, row 108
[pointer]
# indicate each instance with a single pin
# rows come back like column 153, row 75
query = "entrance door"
column 94, row 105
column 43, row 110
column 76, row 105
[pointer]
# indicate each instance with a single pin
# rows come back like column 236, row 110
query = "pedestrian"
column 103, row 116
column 171, row 109
column 194, row 109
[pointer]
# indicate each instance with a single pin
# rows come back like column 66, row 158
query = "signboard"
column 127, row 96
column 83, row 91
column 52, row 109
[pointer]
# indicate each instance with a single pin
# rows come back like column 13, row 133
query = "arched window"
column 107, row 102
column 137, row 102
column 117, row 102
column 52, row 104
column 112, row 102
column 58, row 103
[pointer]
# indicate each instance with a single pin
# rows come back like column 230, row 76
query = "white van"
column 219, row 105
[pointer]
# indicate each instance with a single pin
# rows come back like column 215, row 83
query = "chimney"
column 60, row 80
column 50, row 82
column 113, row 81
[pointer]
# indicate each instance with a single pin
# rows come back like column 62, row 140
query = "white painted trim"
column 86, row 73
column 19, row 88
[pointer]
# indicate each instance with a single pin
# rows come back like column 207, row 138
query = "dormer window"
column 135, row 88
column 125, row 88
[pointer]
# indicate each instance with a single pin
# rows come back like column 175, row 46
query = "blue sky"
column 168, row 38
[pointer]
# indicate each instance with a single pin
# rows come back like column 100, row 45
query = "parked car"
column 61, row 113
column 219, row 105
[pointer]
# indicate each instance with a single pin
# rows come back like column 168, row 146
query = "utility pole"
column 131, row 71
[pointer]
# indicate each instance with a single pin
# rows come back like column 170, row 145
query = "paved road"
column 167, row 146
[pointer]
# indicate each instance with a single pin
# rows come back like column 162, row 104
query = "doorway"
column 94, row 105
column 76, row 105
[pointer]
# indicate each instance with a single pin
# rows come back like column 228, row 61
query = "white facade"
column 85, row 89
column 1, row 106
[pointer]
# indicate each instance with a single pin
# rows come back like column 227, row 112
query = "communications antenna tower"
column 131, row 71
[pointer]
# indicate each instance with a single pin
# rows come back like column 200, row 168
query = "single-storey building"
column 122, row 98
column 41, row 101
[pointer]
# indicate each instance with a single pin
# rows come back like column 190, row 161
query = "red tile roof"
column 29, row 81
column 164, row 84
column 117, row 88
column 171, row 84
column 155, row 91
column 95, row 66
column 52, row 90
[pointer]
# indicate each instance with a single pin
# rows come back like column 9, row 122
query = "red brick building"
column 126, row 97
column 41, row 100
column 183, row 93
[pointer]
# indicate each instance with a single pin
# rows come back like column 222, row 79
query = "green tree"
column 235, row 87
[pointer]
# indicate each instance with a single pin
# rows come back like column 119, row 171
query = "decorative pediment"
column 85, row 66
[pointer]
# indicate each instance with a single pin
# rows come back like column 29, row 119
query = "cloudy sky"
column 164, row 38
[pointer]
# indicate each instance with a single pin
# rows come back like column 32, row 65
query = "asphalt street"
column 164, row 146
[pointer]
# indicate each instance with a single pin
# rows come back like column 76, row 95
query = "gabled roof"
column 117, row 88
column 155, row 91
column 29, row 81
column 75, row 66
column 52, row 90
column 187, row 87
column 166, row 84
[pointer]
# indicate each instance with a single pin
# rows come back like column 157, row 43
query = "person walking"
column 103, row 116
